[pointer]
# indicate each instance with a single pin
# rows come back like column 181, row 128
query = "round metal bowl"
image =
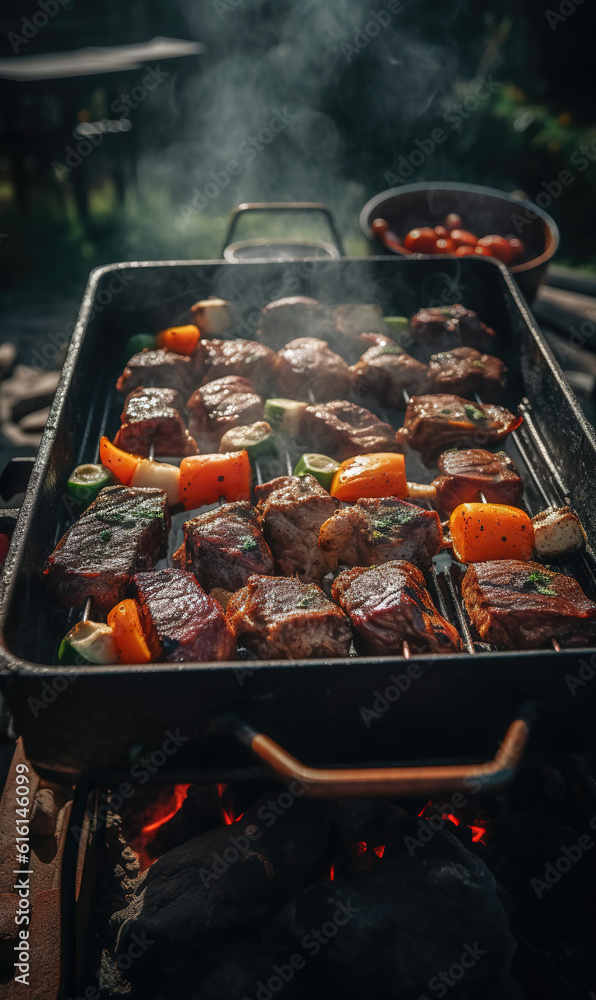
column 268, row 249
column 483, row 211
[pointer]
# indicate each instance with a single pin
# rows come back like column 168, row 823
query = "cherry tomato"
column 462, row 238
column 464, row 251
column 498, row 246
column 441, row 232
column 445, row 246
column 423, row 240
column 380, row 227
column 517, row 246
column 453, row 221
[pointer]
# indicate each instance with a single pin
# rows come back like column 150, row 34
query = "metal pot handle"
column 390, row 782
column 284, row 206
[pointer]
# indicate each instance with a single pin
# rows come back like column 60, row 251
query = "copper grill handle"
column 391, row 782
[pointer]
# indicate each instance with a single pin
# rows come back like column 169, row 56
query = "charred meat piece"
column 226, row 402
column 123, row 531
column 246, row 358
column 464, row 371
column 291, row 511
column 446, row 327
column 468, row 473
column 389, row 604
column 179, row 617
column 384, row 372
column 435, row 423
column 523, row 605
column 342, row 430
column 297, row 316
column 153, row 416
column 352, row 349
column 226, row 546
column 286, row 619
column 378, row 531
column 159, row 369
column 310, row 370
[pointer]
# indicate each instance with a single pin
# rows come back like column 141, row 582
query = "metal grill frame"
column 77, row 720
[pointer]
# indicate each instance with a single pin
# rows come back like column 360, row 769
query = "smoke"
column 349, row 81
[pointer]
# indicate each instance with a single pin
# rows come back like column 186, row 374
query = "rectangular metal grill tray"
column 100, row 718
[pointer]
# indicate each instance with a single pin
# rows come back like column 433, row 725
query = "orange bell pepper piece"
column 380, row 474
column 180, row 339
column 206, row 478
column 483, row 531
column 129, row 637
column 120, row 463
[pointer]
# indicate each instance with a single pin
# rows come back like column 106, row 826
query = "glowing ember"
column 379, row 851
column 332, row 872
column 477, row 832
column 178, row 798
column 361, row 848
column 228, row 815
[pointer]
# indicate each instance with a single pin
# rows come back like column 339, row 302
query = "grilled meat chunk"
column 465, row 371
column 297, row 316
column 225, row 546
column 355, row 318
column 342, row 430
column 153, row 416
column 389, row 604
column 178, row 616
column 384, row 372
column 291, row 510
column 123, row 531
column 380, row 530
column 286, row 619
column 435, row 423
column 159, row 369
column 246, row 358
column 523, row 605
column 311, row 370
column 226, row 402
column 468, row 473
column 446, row 327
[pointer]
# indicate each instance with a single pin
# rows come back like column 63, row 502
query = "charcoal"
column 393, row 930
column 197, row 894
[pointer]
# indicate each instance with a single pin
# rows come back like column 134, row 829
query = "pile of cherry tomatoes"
column 450, row 238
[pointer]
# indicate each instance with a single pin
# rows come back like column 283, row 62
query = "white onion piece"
column 160, row 475
column 557, row 532
column 213, row 316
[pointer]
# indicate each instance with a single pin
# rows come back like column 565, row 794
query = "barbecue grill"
column 455, row 708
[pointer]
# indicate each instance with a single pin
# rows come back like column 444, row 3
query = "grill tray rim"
column 20, row 677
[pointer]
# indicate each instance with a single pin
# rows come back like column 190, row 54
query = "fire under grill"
column 145, row 889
